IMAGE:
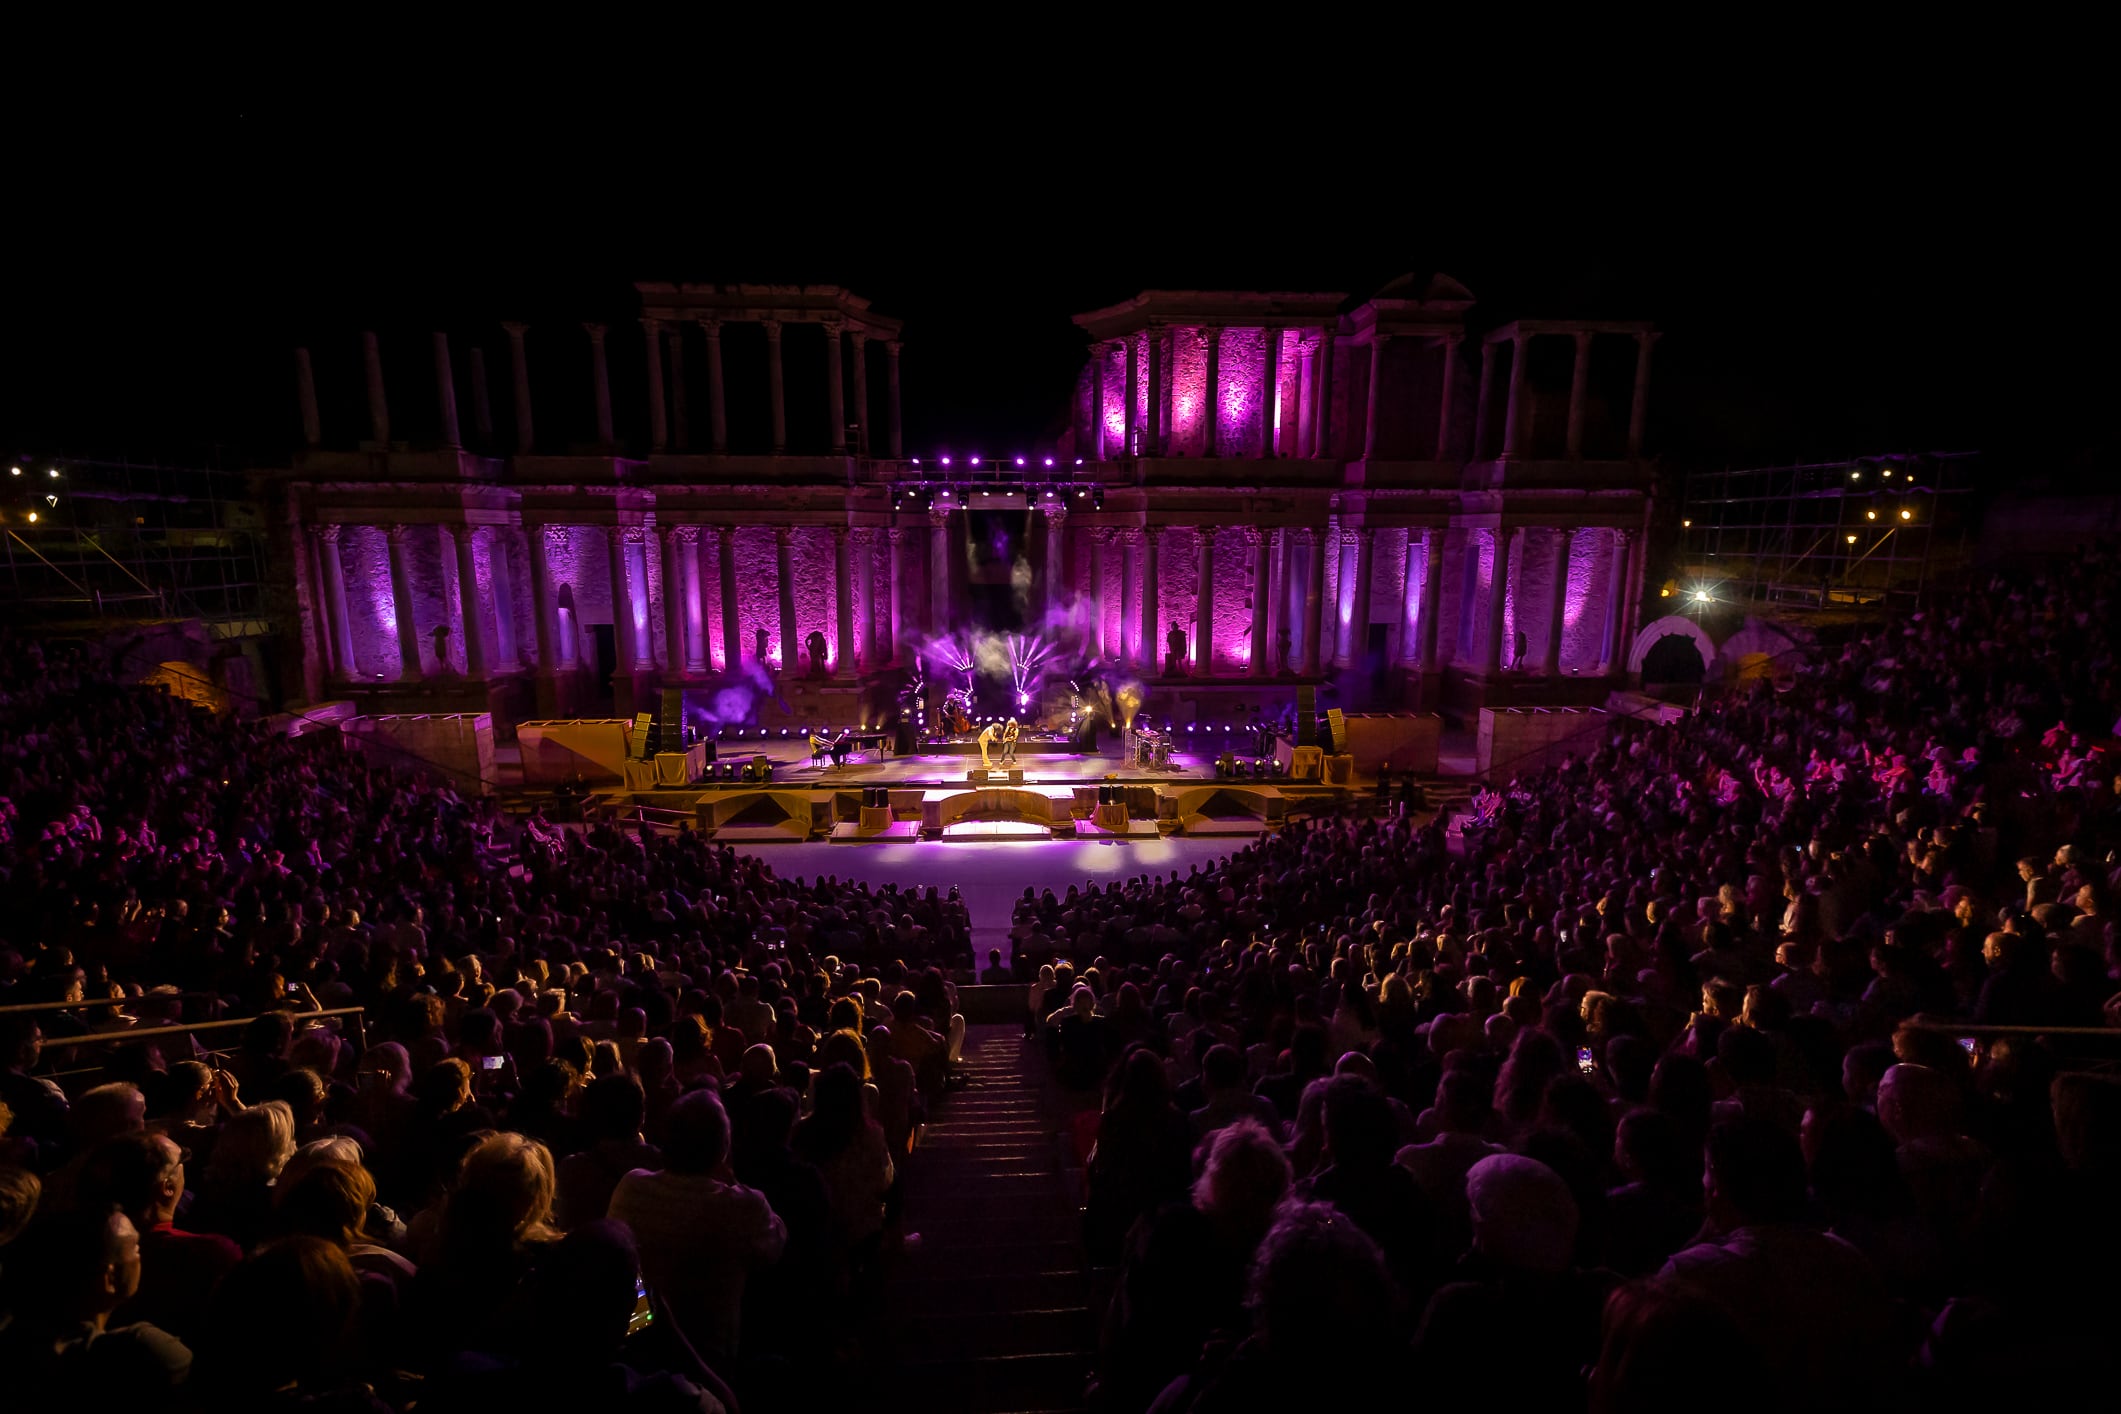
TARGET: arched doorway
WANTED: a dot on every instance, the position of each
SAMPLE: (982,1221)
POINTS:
(1673,659)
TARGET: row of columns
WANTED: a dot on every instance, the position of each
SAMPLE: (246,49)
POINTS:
(683,599)
(1155,424)
(1517,403)
(664,401)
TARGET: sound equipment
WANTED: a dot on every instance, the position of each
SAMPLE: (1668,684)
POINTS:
(637,745)
(1337,726)
(1306,715)
(670,721)
(905,740)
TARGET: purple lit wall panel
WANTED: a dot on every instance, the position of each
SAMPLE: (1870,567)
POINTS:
(1331,545)
(364,554)
(446,601)
(1388,584)
(1233,600)
(1188,375)
(811,559)
(1583,619)
(711,595)
(1177,586)
(757,592)
(1519,546)
(1238,397)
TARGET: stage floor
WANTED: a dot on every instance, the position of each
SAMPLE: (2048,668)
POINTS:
(792,766)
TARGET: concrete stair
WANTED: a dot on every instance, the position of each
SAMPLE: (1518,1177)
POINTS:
(993,1312)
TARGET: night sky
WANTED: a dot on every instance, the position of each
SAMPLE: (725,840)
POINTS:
(1933,290)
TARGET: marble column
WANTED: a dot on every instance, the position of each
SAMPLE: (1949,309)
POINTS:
(1211,400)
(508,657)
(600,384)
(895,555)
(1322,420)
(481,400)
(1431,596)
(1579,390)
(1355,633)
(1638,409)
(775,376)
(717,394)
(891,350)
(519,366)
(1410,602)
(1261,596)
(1094,591)
(1095,440)
(1631,597)
(400,537)
(1517,406)
(1151,605)
(1129,601)
(835,402)
(842,601)
(692,545)
(623,651)
(1375,395)
(1131,419)
(1443,410)
(472,623)
(540,541)
(446,392)
(1314,542)
(1204,604)
(378,400)
(306,398)
(858,348)
(1278,632)
(680,413)
(784,572)
(658,424)
(866,580)
(340,627)
(1558,604)
(1306,397)
(938,571)
(1056,558)
(1481,400)
(1498,599)
(1269,381)
(675,617)
(1153,441)
(732,627)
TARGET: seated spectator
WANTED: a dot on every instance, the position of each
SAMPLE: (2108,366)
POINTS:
(613,1110)
(142,1175)
(64,1351)
(1360,1179)
(850,1151)
(285,1332)
(1143,1157)
(1788,1287)
(1227,1095)
(496,1227)
(235,1196)
(701,1234)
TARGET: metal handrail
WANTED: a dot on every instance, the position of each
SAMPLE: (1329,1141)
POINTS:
(144,1033)
(1970,1028)
(21,1008)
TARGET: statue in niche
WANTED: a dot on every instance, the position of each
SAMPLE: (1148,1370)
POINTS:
(1175,651)
(440,635)
(758,645)
(815,646)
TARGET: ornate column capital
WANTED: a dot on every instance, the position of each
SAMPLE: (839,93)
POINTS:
(1452,338)
(1583,341)
(1306,535)
(726,533)
(712,323)
(457,530)
(839,534)
(651,324)
(891,346)
(555,536)
(834,327)
(327,532)
(783,536)
(595,332)
(398,533)
(939,516)
(515,329)
(685,534)
(859,335)
(1253,536)
(1648,337)
(772,328)
(634,534)
(1057,512)
(896,535)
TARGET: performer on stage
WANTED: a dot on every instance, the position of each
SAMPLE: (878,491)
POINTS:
(987,736)
(1009,735)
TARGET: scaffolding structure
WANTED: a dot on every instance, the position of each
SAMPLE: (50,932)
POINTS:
(1871,531)
(88,542)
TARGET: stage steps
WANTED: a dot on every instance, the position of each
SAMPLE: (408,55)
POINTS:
(993,1312)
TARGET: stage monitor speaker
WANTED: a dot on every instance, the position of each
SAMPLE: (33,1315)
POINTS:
(905,740)
(1307,716)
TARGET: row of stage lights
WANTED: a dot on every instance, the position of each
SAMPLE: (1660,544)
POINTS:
(916,497)
(769,734)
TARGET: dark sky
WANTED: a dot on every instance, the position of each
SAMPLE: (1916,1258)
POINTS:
(1936,284)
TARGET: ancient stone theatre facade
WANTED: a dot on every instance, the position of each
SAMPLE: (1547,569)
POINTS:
(1389,498)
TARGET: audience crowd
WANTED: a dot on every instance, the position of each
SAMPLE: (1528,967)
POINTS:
(1740,1062)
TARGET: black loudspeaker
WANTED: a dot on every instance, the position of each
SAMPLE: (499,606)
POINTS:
(670,721)
(1307,716)
(905,741)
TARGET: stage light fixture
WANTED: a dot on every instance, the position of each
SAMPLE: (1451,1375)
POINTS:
(1049,461)
(32,517)
(14,471)
(1855,476)
(946,461)
(1078,461)
(1870,515)
(1701,596)
(1852,540)
(55,473)
(1887,474)
(51,500)
(975,461)
(1907,515)
(1686,525)
(916,461)
(1019,461)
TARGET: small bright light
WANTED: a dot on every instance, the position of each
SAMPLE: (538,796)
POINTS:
(1049,461)
(1886,474)
(946,461)
(1686,525)
(916,461)
(1870,515)
(1019,461)
(32,517)
(1907,515)
(55,473)
(14,471)
(1078,461)
(51,500)
(1852,540)
(1701,596)
(1855,476)
(1664,594)
(975,461)
(1082,495)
